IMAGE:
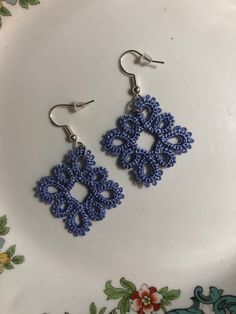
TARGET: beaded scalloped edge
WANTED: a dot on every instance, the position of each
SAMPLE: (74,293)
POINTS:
(79,166)
(147,166)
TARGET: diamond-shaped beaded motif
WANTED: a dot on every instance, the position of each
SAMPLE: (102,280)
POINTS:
(103,194)
(147,166)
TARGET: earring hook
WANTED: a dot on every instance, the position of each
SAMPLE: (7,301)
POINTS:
(76,106)
(143,57)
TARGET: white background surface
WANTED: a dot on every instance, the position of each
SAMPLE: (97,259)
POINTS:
(181,233)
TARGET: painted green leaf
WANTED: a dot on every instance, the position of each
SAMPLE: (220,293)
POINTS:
(115,293)
(124,305)
(18,259)
(173,294)
(114,312)
(163,290)
(4,230)
(0,22)
(24,4)
(8,266)
(5,12)
(11,250)
(93,308)
(3,221)
(103,310)
(34,2)
(165,302)
(127,285)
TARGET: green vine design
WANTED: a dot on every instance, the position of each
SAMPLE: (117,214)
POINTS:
(4,11)
(148,300)
(8,258)
(128,296)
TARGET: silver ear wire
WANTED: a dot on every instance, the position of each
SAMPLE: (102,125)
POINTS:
(144,59)
(76,106)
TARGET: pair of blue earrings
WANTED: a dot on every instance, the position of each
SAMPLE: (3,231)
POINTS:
(145,115)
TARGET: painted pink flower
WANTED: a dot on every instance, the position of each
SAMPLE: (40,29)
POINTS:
(146,300)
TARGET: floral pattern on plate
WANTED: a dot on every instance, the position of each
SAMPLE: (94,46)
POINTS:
(149,299)
(8,257)
(4,11)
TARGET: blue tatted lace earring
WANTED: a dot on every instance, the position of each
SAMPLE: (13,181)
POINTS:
(146,116)
(78,166)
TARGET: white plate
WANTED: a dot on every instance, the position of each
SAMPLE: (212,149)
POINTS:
(179,234)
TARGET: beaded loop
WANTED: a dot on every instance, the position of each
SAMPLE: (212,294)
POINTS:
(80,161)
(95,210)
(77,221)
(129,124)
(148,105)
(46,195)
(165,157)
(113,192)
(79,167)
(163,123)
(183,138)
(147,171)
(64,175)
(123,138)
(61,207)
(170,141)
(129,158)
(97,175)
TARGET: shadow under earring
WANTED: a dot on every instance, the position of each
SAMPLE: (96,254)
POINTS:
(146,116)
(78,167)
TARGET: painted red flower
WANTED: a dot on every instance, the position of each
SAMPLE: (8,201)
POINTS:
(146,300)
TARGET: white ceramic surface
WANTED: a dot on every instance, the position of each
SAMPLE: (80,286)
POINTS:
(182,232)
